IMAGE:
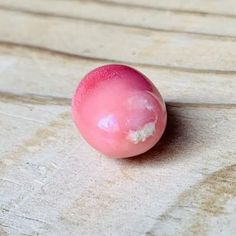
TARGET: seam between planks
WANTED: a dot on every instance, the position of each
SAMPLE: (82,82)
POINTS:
(38,99)
(107,60)
(164,9)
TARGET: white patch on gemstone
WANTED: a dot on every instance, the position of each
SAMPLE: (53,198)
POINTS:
(147,105)
(142,134)
(139,102)
(108,123)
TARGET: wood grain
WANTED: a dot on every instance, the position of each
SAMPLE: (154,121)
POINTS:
(170,52)
(211,26)
(84,183)
(218,7)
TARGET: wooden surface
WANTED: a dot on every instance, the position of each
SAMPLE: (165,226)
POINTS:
(53,183)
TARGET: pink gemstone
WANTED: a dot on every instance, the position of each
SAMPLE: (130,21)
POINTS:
(119,111)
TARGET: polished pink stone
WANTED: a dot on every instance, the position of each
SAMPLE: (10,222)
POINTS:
(119,111)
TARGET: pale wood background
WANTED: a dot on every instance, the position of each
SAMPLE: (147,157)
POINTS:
(53,183)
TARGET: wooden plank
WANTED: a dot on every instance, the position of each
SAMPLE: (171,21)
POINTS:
(139,17)
(141,47)
(54,77)
(53,183)
(216,7)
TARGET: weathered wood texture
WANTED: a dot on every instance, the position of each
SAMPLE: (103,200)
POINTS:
(53,183)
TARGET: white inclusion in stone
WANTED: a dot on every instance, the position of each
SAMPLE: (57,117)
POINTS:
(142,134)
(148,105)
(140,102)
(108,123)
